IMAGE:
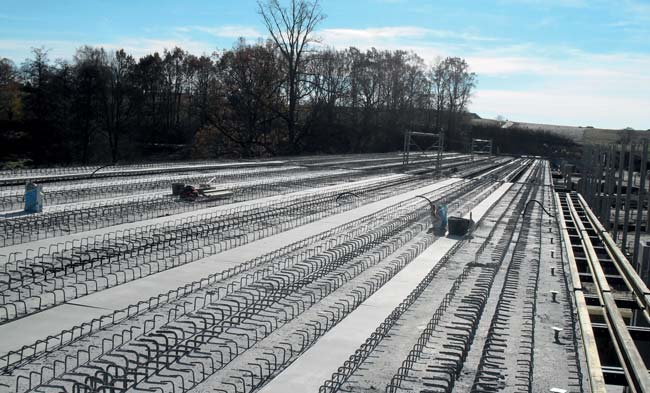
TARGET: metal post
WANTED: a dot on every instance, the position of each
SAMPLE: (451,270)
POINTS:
(441,143)
(472,149)
(644,273)
(626,218)
(585,174)
(607,210)
(640,202)
(619,191)
(644,268)
(647,225)
(599,182)
(568,177)
(591,175)
(407,148)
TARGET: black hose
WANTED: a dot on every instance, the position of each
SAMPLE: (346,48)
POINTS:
(431,204)
(101,167)
(540,205)
(345,193)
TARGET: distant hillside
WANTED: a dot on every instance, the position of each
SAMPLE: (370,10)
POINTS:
(580,135)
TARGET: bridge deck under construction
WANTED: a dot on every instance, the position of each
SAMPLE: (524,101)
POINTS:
(316,274)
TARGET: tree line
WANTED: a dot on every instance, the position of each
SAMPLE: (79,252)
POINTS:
(518,140)
(284,95)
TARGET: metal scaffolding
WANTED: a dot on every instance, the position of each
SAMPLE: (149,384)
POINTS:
(481,146)
(433,146)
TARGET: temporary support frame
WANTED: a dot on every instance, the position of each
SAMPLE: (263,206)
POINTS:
(618,194)
(411,139)
(481,146)
(610,297)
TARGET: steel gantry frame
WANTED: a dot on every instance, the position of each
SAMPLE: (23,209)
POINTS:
(435,147)
(481,146)
(612,300)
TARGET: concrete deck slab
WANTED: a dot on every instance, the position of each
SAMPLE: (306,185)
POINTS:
(27,330)
(154,221)
(144,171)
(314,175)
(318,364)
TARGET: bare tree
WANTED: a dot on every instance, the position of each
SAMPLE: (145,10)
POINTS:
(292,29)
(10,101)
(91,76)
(437,79)
(459,83)
(116,103)
(282,95)
(7,71)
(36,74)
(250,77)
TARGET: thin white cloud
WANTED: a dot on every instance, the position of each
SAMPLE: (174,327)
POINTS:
(637,9)
(579,64)
(17,18)
(19,50)
(139,47)
(577,107)
(374,33)
(226,31)
(609,91)
(550,3)
(334,36)
(577,87)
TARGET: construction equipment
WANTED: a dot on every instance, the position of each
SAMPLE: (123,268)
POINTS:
(190,193)
(459,226)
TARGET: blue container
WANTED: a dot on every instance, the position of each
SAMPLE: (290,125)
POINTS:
(441,212)
(33,198)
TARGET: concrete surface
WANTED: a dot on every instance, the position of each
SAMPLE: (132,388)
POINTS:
(160,220)
(318,363)
(52,321)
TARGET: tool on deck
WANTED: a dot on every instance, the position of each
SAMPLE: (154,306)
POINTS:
(190,193)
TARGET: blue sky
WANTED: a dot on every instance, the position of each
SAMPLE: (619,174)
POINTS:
(572,62)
